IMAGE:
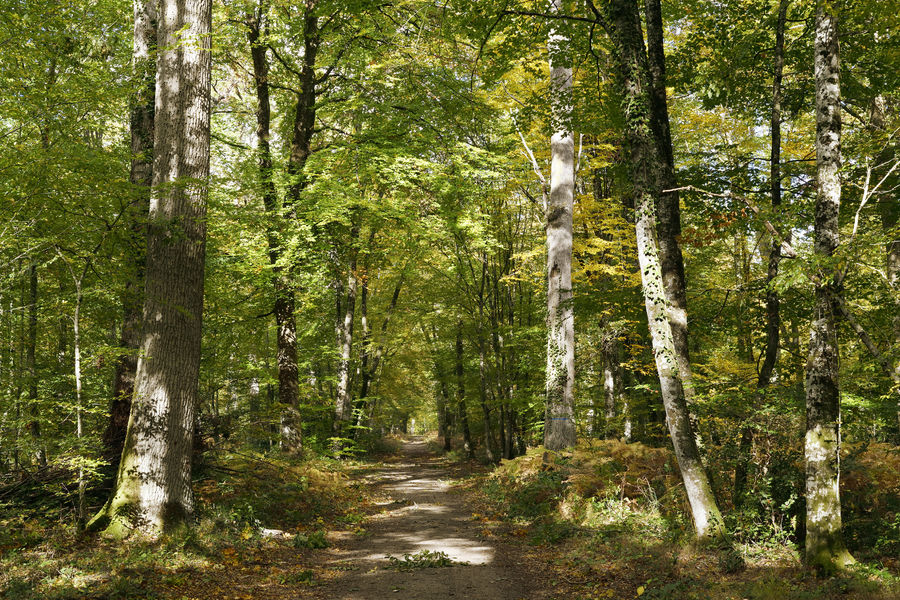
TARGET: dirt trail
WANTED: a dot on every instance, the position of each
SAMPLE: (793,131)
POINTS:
(428,516)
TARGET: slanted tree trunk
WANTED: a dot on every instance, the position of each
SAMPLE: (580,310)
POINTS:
(668,226)
(153,488)
(648,177)
(559,423)
(286,339)
(824,540)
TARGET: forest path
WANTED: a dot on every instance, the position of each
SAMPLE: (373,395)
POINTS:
(422,513)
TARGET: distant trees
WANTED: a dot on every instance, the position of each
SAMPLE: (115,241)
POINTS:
(383,245)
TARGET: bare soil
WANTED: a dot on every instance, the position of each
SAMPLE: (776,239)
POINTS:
(421,512)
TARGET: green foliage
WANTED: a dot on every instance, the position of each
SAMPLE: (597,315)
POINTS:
(312,540)
(424,559)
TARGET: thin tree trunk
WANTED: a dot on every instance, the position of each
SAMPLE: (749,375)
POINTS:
(773,312)
(647,171)
(443,401)
(372,363)
(34,426)
(343,401)
(153,489)
(462,411)
(143,65)
(889,208)
(286,339)
(485,411)
(559,422)
(79,409)
(824,540)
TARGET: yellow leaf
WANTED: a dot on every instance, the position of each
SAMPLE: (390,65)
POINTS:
(640,590)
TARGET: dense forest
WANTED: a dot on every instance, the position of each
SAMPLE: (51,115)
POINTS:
(557,238)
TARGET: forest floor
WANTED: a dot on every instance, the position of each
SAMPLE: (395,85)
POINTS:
(411,524)
(414,536)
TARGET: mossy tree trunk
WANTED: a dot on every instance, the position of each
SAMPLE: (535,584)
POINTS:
(622,21)
(559,425)
(824,540)
(153,488)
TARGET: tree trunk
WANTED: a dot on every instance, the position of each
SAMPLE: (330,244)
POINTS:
(485,411)
(559,423)
(462,411)
(286,340)
(34,426)
(668,226)
(773,312)
(153,489)
(143,65)
(343,401)
(824,540)
(371,362)
(889,208)
(647,171)
(443,401)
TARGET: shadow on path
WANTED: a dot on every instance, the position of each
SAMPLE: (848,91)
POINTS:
(422,514)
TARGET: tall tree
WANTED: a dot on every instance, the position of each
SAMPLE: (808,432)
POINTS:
(559,425)
(668,225)
(773,310)
(285,300)
(143,66)
(622,22)
(824,540)
(462,409)
(153,488)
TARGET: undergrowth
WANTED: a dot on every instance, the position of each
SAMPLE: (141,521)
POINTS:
(618,513)
(246,505)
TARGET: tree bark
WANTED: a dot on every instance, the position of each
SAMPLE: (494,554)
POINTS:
(371,362)
(559,423)
(773,311)
(824,540)
(668,226)
(285,322)
(343,401)
(648,178)
(153,489)
(462,410)
(34,426)
(143,65)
